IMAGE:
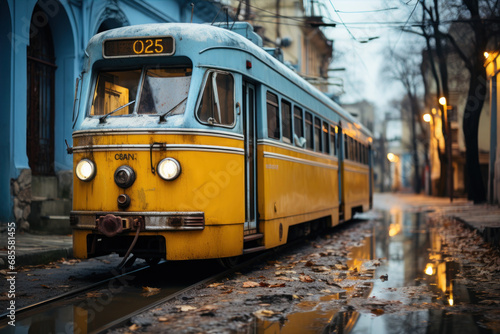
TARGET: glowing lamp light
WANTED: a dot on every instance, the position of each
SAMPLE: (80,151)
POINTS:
(450,301)
(442,100)
(429,269)
(427,118)
(486,55)
(392,157)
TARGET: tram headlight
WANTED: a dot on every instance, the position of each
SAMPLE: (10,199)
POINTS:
(124,176)
(169,169)
(85,170)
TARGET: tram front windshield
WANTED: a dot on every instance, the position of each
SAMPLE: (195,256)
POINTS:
(153,91)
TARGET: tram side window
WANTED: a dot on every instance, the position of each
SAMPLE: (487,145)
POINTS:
(113,90)
(309,132)
(217,102)
(326,146)
(298,127)
(355,149)
(317,135)
(273,116)
(286,114)
(346,147)
(333,143)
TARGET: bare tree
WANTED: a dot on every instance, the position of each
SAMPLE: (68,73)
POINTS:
(478,22)
(406,70)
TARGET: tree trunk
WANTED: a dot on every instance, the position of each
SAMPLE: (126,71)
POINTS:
(473,107)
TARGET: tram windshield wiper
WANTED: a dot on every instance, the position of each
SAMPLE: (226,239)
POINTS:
(102,119)
(164,115)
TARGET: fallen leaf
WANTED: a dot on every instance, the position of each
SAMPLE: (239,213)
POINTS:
(377,311)
(45,286)
(250,284)
(320,269)
(341,266)
(148,291)
(162,319)
(226,292)
(264,313)
(186,308)
(282,285)
(384,277)
(283,278)
(214,285)
(134,327)
(94,294)
(306,279)
(309,263)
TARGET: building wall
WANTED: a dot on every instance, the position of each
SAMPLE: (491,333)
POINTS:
(72,24)
(309,52)
(493,74)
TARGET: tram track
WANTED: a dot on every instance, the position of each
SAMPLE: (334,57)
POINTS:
(98,307)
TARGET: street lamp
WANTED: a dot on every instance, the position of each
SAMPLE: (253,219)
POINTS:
(449,167)
(392,157)
(427,118)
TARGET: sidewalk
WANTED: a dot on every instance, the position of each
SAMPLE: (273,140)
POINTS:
(34,249)
(483,218)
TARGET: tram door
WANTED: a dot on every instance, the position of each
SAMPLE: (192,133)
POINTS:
(249,132)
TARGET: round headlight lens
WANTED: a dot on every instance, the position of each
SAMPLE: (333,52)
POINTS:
(85,170)
(124,176)
(169,169)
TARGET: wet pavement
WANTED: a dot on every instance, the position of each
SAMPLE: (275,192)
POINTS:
(414,265)
(412,270)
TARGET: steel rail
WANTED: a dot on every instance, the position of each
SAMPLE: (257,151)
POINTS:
(70,294)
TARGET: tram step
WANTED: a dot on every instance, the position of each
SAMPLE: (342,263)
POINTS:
(253,250)
(253,237)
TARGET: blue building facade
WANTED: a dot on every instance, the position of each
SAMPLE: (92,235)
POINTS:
(42,45)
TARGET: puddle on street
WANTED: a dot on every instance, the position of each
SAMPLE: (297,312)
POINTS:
(98,308)
(418,274)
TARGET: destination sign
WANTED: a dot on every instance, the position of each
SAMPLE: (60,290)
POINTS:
(139,47)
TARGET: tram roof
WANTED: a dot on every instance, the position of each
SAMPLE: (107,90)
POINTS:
(205,36)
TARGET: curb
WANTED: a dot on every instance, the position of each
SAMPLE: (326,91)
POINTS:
(36,258)
(490,234)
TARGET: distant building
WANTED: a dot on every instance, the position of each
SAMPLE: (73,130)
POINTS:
(364,111)
(285,24)
(42,45)
(458,78)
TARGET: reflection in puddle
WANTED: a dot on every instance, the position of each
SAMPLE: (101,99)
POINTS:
(422,284)
(312,316)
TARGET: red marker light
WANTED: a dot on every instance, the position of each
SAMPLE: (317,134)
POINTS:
(249,64)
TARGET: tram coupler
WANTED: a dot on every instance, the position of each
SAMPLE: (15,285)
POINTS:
(109,225)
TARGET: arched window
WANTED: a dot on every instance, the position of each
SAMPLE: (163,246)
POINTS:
(40,100)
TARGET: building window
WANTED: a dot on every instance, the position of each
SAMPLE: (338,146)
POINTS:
(286,114)
(273,116)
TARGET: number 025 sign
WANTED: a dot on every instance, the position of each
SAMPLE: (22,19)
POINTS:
(147,46)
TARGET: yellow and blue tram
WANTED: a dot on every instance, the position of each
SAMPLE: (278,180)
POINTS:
(193,142)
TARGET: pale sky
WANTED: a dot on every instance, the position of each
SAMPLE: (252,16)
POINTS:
(379,20)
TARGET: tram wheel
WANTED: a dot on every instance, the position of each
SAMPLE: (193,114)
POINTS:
(152,261)
(228,262)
